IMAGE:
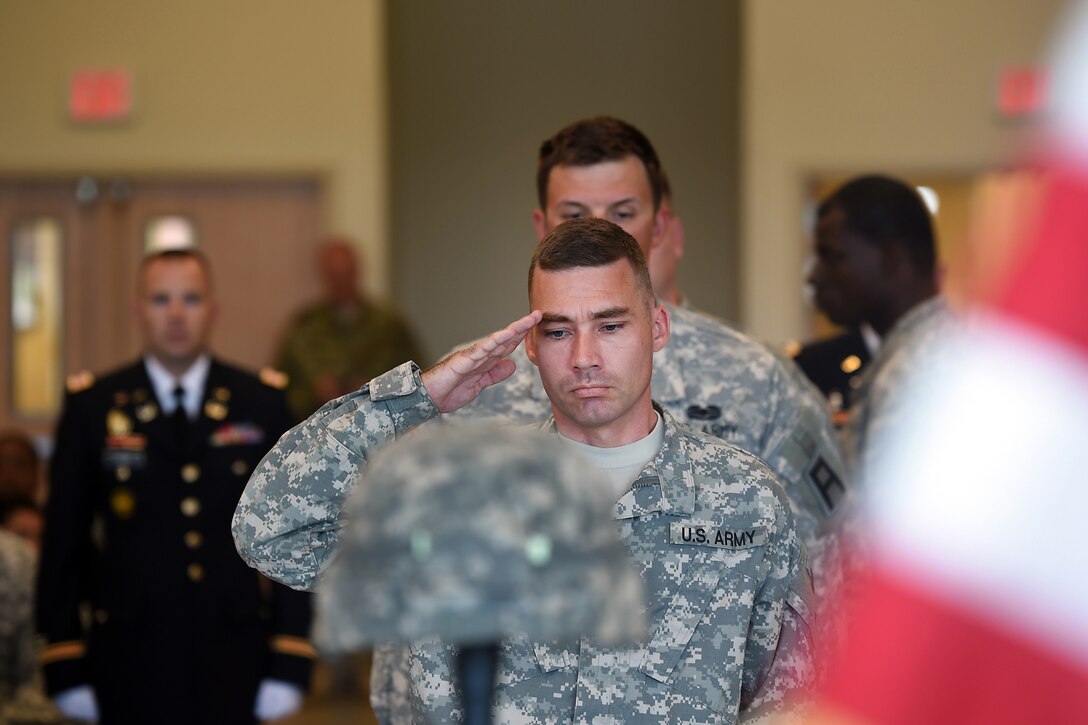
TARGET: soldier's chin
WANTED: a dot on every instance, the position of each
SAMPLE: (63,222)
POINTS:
(178,353)
(836,316)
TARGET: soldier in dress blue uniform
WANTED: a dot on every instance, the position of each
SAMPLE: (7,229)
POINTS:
(148,613)
(834,365)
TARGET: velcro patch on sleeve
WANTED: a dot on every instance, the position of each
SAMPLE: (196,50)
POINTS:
(828,484)
(693,533)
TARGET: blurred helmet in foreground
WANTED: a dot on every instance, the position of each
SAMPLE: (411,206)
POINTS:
(475,533)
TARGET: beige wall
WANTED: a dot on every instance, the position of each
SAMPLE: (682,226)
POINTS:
(233,88)
(246,86)
(478,84)
(862,85)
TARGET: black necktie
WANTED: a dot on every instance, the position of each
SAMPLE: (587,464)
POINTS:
(181,419)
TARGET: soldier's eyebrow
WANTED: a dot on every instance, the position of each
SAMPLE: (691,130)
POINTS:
(610,313)
(605,314)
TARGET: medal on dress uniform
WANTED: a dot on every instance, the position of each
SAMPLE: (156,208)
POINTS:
(221,394)
(147,412)
(190,506)
(139,395)
(122,503)
(120,398)
(190,473)
(215,410)
(117,423)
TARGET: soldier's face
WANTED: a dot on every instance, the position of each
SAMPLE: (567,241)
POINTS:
(18,469)
(847,276)
(618,191)
(594,348)
(175,311)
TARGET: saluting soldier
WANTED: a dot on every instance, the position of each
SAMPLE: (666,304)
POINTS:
(148,613)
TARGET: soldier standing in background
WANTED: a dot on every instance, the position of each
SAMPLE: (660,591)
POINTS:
(334,346)
(876,264)
(20,467)
(149,463)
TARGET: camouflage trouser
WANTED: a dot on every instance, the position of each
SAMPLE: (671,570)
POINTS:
(389,684)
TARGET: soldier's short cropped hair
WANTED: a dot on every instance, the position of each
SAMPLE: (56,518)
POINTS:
(590,242)
(883,210)
(593,141)
(176,255)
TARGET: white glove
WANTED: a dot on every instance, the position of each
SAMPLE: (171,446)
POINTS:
(77,703)
(276,699)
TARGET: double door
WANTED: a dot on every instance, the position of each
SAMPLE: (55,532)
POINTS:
(72,250)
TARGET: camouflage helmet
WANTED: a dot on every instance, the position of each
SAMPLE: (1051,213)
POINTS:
(473,533)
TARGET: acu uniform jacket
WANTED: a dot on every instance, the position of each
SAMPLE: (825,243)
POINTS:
(138,528)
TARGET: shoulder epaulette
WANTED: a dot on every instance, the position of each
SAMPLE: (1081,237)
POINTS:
(273,378)
(78,382)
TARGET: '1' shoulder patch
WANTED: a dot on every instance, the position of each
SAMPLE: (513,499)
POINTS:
(827,483)
(698,534)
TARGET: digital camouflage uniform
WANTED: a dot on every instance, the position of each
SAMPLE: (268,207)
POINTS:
(354,348)
(879,399)
(17,659)
(474,533)
(723,383)
(22,700)
(708,528)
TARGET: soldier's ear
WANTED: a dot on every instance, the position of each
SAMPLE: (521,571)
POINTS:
(530,347)
(662,217)
(661,326)
(540,224)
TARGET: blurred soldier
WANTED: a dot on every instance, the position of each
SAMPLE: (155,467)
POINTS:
(706,523)
(834,365)
(538,560)
(20,467)
(876,264)
(334,346)
(664,257)
(708,375)
(24,518)
(16,623)
(20,698)
(149,463)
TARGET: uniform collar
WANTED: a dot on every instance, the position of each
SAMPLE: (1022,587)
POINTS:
(192,380)
(666,484)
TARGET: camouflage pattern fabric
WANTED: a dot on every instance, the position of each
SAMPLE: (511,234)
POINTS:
(719,381)
(907,351)
(708,528)
(18,660)
(22,698)
(320,341)
(474,533)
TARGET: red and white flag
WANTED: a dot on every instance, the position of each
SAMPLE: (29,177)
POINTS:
(976,608)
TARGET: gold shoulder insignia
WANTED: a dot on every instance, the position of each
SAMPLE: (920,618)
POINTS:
(289,645)
(78,382)
(850,364)
(273,378)
(60,651)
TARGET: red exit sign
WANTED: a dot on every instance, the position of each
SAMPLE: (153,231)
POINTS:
(1022,91)
(100,95)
